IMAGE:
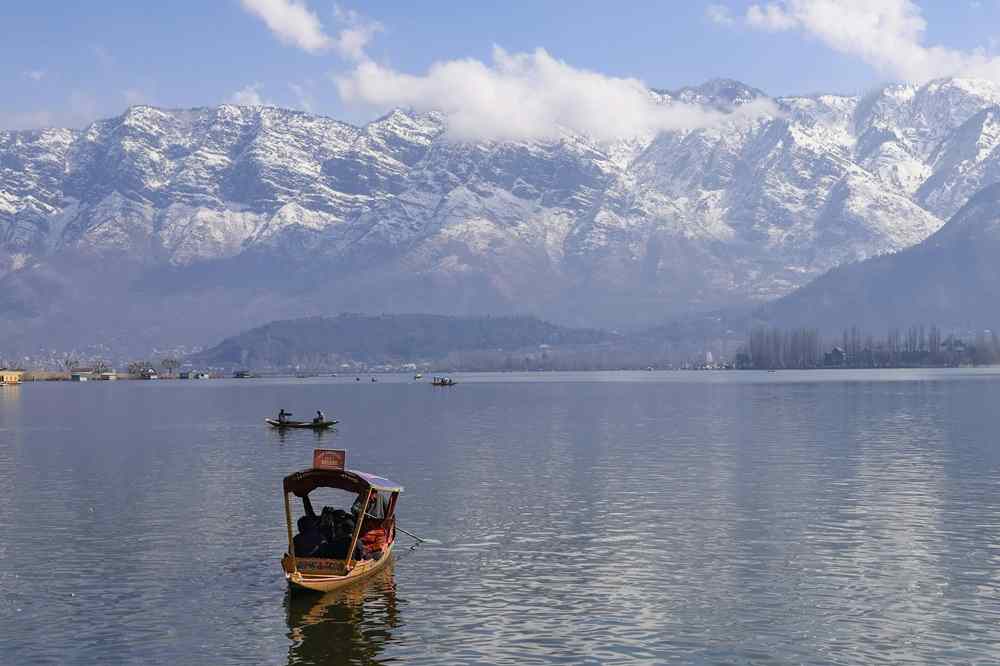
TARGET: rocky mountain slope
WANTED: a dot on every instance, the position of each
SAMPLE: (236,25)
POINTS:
(951,280)
(183,225)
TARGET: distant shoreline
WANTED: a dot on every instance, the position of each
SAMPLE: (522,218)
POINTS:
(32,376)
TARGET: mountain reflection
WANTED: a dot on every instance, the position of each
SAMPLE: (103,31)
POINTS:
(350,626)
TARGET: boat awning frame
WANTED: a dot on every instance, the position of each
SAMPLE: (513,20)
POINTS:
(305,481)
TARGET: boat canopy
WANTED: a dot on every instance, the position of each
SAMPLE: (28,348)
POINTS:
(304,482)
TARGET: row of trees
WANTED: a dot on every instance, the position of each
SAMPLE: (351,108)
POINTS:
(169,365)
(917,346)
(770,348)
(140,368)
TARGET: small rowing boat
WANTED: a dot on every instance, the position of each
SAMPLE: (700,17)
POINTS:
(325,555)
(313,425)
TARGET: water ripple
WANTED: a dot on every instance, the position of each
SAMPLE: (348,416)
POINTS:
(580,522)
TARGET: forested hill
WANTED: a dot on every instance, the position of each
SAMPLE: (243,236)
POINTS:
(327,341)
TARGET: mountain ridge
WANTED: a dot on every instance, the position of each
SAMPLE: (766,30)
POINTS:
(245,214)
(949,280)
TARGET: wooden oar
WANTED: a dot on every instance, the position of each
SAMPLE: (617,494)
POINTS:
(421,540)
(416,537)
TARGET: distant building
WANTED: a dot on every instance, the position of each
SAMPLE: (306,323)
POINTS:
(108,376)
(835,358)
(185,374)
(11,377)
(80,376)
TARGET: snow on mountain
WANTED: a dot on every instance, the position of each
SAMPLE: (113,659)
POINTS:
(950,279)
(393,215)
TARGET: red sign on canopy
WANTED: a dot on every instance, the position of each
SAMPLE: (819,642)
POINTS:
(329,458)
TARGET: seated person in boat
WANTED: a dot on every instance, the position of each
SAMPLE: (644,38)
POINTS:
(338,531)
(327,535)
(320,418)
(283,416)
(307,542)
(374,531)
(378,505)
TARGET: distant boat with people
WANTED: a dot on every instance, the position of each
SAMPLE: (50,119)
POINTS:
(314,425)
(320,422)
(443,381)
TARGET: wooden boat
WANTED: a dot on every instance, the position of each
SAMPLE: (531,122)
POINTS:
(325,574)
(313,425)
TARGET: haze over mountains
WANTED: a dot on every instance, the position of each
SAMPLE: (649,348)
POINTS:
(184,226)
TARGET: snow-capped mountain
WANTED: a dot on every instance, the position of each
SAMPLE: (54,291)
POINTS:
(238,214)
(951,280)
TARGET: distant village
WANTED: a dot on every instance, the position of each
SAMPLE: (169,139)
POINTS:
(765,348)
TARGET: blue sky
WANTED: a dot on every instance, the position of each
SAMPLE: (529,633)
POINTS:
(69,63)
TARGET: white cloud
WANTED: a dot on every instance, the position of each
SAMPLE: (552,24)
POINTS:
(79,109)
(26,120)
(352,40)
(769,17)
(103,56)
(303,95)
(35,75)
(135,96)
(720,15)
(291,22)
(529,96)
(887,34)
(248,96)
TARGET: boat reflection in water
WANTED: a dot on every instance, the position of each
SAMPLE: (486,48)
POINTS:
(284,434)
(351,625)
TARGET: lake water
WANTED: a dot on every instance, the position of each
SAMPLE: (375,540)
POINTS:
(832,517)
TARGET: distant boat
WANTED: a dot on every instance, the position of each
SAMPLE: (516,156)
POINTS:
(311,425)
(443,381)
(418,376)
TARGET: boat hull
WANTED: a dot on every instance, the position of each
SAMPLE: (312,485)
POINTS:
(312,577)
(305,425)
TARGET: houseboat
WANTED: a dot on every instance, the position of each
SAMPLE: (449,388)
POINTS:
(11,377)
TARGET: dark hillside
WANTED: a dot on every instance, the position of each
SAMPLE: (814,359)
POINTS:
(324,341)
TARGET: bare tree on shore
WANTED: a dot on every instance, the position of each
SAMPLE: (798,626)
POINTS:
(170,364)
